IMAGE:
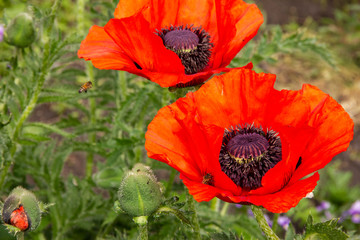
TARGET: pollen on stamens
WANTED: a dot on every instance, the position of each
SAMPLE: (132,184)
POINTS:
(191,44)
(247,153)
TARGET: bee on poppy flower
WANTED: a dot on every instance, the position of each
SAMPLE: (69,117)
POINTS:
(208,179)
(86,86)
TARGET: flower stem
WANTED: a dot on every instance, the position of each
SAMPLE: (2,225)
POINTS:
(259,216)
(92,136)
(142,227)
(123,84)
(194,218)
(20,236)
(170,182)
(215,204)
(224,209)
(275,223)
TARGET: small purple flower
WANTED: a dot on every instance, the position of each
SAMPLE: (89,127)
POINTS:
(284,222)
(1,32)
(354,211)
(238,205)
(324,205)
(250,213)
(268,220)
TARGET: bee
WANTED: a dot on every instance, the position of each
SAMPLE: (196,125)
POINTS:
(208,179)
(86,86)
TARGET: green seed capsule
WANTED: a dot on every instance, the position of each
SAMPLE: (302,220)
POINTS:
(20,32)
(139,193)
(21,209)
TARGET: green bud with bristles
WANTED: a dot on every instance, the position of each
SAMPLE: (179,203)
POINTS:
(21,209)
(139,193)
(20,32)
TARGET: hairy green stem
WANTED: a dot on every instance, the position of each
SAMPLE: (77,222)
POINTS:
(142,223)
(123,84)
(215,204)
(20,236)
(224,209)
(194,218)
(275,223)
(259,216)
(92,135)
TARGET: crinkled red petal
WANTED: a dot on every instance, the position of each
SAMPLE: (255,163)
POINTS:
(126,9)
(237,23)
(230,23)
(238,97)
(281,201)
(142,45)
(103,52)
(334,130)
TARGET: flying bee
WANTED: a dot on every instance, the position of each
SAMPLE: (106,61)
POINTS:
(86,86)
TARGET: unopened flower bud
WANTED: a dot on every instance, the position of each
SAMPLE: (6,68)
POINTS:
(21,209)
(139,193)
(20,32)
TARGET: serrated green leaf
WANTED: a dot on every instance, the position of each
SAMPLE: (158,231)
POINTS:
(324,231)
(51,128)
(224,236)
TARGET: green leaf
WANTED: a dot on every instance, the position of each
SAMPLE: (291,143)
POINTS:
(5,146)
(108,177)
(51,128)
(324,231)
(290,233)
(35,137)
(179,214)
(224,236)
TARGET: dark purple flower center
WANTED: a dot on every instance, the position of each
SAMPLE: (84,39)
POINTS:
(247,153)
(181,40)
(247,146)
(192,45)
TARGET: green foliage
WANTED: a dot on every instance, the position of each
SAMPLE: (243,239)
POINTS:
(273,42)
(324,231)
(72,149)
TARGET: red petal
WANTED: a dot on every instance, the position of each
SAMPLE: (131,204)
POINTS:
(203,192)
(237,23)
(241,100)
(173,79)
(144,47)
(293,141)
(182,12)
(128,8)
(282,201)
(334,130)
(181,141)
(103,52)
(288,114)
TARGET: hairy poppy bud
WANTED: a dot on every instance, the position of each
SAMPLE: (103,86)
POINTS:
(139,193)
(20,32)
(21,209)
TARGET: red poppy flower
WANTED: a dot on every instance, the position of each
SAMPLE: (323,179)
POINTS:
(173,43)
(239,139)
